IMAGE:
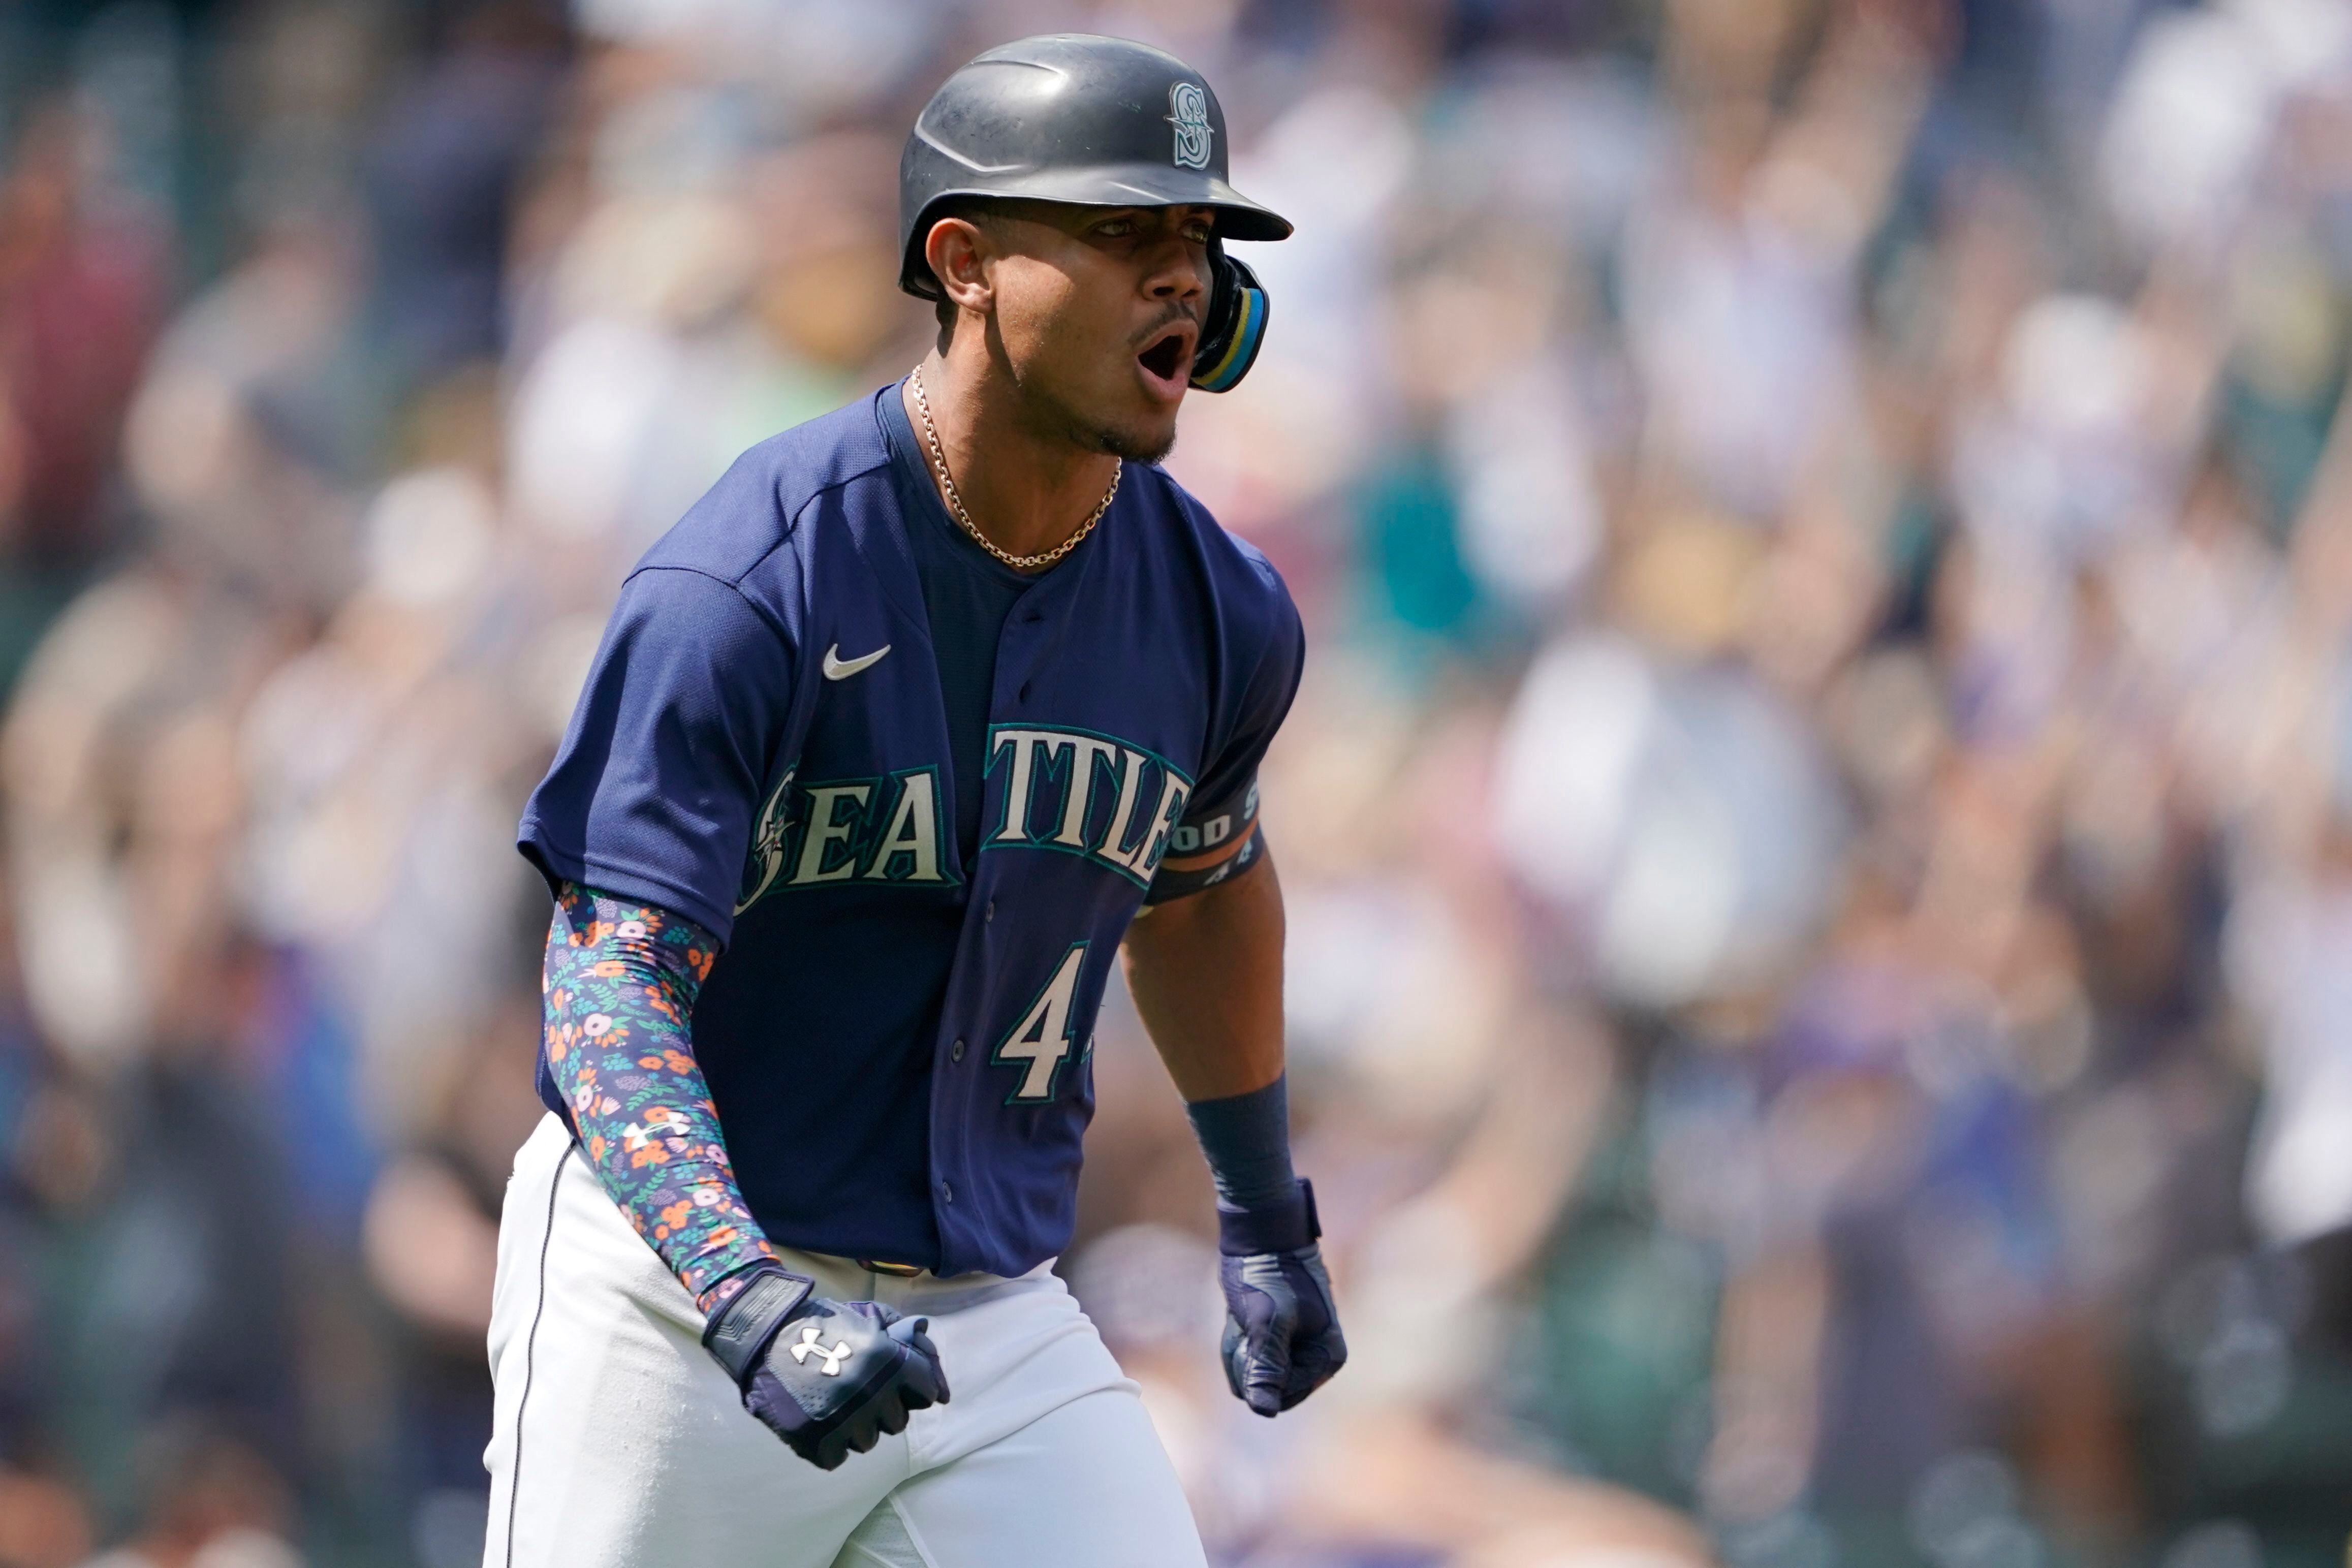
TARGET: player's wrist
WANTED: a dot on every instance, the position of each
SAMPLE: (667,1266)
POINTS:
(1281,1225)
(1245,1139)
(740,1329)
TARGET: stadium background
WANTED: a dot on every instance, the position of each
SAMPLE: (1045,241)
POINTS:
(1818,831)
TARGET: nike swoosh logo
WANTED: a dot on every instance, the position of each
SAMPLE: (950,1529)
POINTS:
(839,669)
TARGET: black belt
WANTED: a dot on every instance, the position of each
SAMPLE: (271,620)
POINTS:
(899,1271)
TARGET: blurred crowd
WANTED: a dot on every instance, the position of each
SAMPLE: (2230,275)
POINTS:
(1818,834)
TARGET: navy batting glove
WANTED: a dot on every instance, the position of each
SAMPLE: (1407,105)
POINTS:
(830,1378)
(1282,1331)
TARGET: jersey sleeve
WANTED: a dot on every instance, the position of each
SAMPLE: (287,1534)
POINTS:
(653,793)
(1223,809)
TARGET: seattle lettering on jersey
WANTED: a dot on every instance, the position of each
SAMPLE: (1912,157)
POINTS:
(848,832)
(1069,791)
(1078,792)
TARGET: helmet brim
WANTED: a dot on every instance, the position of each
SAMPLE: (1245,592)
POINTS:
(1113,186)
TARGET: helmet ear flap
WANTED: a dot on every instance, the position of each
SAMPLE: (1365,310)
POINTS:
(1234,327)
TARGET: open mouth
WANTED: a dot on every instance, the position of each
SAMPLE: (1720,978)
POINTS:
(1165,356)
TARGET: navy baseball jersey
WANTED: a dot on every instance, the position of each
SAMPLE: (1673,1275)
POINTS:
(897,1034)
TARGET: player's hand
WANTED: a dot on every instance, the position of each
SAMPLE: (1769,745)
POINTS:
(830,1378)
(1282,1331)
(841,1377)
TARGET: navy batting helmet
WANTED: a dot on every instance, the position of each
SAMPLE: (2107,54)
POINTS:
(1071,117)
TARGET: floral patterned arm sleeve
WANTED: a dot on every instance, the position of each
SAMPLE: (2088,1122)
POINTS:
(620,983)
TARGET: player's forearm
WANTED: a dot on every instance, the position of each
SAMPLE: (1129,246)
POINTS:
(1206,975)
(620,983)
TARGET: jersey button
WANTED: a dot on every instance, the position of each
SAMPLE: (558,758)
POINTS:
(1024,691)
(955,1052)
(947,1190)
(989,913)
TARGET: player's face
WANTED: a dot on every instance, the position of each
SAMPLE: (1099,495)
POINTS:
(1097,311)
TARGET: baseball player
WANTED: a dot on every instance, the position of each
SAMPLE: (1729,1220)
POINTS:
(930,708)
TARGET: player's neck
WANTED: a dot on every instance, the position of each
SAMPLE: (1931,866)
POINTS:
(1026,490)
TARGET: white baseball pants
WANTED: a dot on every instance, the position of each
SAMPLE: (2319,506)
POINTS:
(619,1443)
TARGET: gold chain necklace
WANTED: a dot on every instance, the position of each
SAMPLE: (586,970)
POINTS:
(955,501)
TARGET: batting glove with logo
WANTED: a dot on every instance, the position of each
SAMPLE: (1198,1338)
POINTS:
(1282,1331)
(830,1378)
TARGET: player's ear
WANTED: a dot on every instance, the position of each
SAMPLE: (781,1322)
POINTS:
(957,251)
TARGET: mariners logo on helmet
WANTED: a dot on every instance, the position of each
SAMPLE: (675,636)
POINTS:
(1189,112)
